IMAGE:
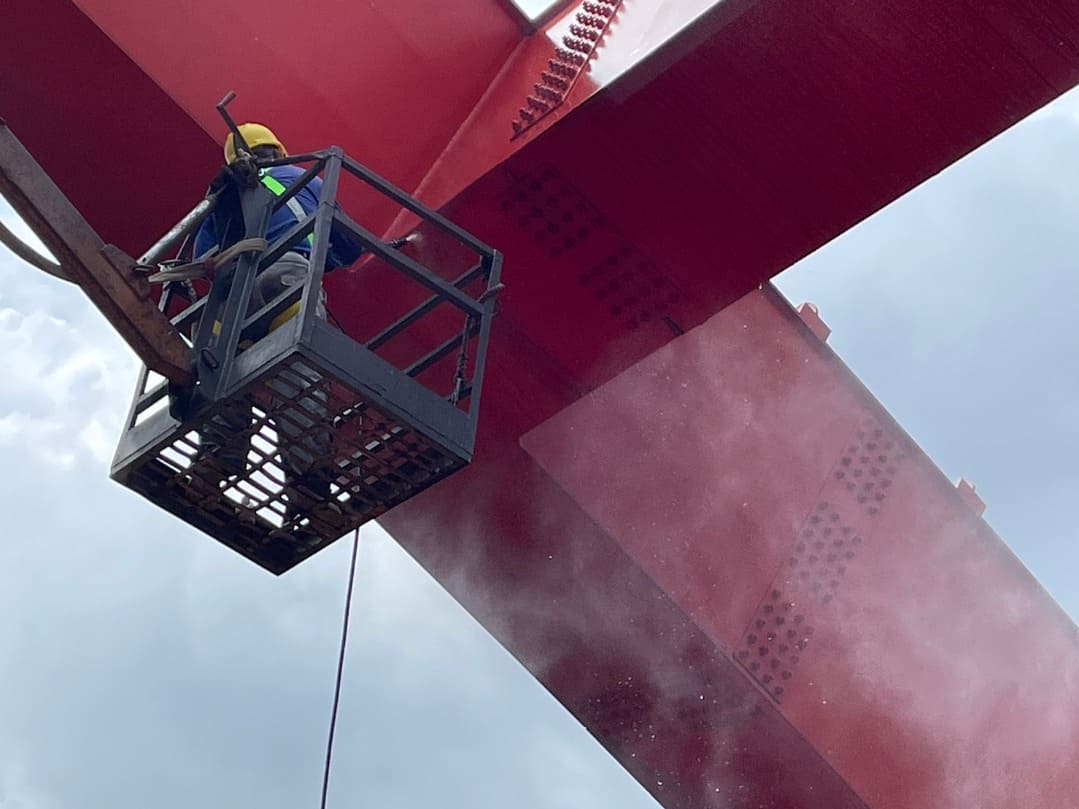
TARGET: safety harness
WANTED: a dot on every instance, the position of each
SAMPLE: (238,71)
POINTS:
(202,268)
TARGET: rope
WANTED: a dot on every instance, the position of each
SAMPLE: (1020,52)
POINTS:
(340,667)
(200,269)
(29,255)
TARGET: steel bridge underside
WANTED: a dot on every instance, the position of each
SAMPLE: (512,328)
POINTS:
(686,518)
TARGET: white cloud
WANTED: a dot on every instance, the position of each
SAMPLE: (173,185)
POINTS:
(64,387)
(15,791)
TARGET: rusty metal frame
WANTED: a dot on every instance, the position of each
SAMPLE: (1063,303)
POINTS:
(104,272)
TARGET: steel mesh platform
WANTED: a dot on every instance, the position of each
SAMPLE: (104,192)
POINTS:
(288,464)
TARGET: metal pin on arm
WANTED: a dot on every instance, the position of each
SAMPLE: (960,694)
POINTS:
(237,139)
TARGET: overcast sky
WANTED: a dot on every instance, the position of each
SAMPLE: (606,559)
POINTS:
(533,8)
(144,665)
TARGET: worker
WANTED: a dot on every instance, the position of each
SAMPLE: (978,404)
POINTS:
(226,227)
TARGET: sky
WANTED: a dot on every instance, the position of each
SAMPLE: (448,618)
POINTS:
(533,8)
(143,664)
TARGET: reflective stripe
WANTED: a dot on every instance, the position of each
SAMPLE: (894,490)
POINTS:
(272,183)
(285,316)
(278,190)
(244,344)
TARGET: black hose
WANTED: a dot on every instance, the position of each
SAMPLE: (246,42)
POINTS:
(29,255)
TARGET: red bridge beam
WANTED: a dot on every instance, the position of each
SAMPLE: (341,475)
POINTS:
(764,130)
(625,545)
(752,587)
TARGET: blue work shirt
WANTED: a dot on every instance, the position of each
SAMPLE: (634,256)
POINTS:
(218,228)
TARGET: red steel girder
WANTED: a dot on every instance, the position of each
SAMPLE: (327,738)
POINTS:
(752,587)
(693,162)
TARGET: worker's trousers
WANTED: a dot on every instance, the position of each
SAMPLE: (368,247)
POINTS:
(299,415)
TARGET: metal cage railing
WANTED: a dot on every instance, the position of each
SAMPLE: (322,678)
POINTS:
(295,432)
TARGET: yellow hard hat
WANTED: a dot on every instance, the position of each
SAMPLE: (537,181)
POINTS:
(255,135)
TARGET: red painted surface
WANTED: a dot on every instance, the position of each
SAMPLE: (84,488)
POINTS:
(624,544)
(388,82)
(762,132)
(638,548)
(126,154)
(634,34)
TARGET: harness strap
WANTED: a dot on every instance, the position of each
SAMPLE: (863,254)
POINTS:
(200,269)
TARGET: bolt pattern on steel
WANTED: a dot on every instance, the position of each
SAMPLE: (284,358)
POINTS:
(827,543)
(584,32)
(561,68)
(547,93)
(602,9)
(624,283)
(581,32)
(554,81)
(569,60)
(579,45)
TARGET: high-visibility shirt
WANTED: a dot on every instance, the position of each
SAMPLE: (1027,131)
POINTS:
(227,225)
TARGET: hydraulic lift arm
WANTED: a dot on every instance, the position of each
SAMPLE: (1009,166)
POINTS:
(104,272)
